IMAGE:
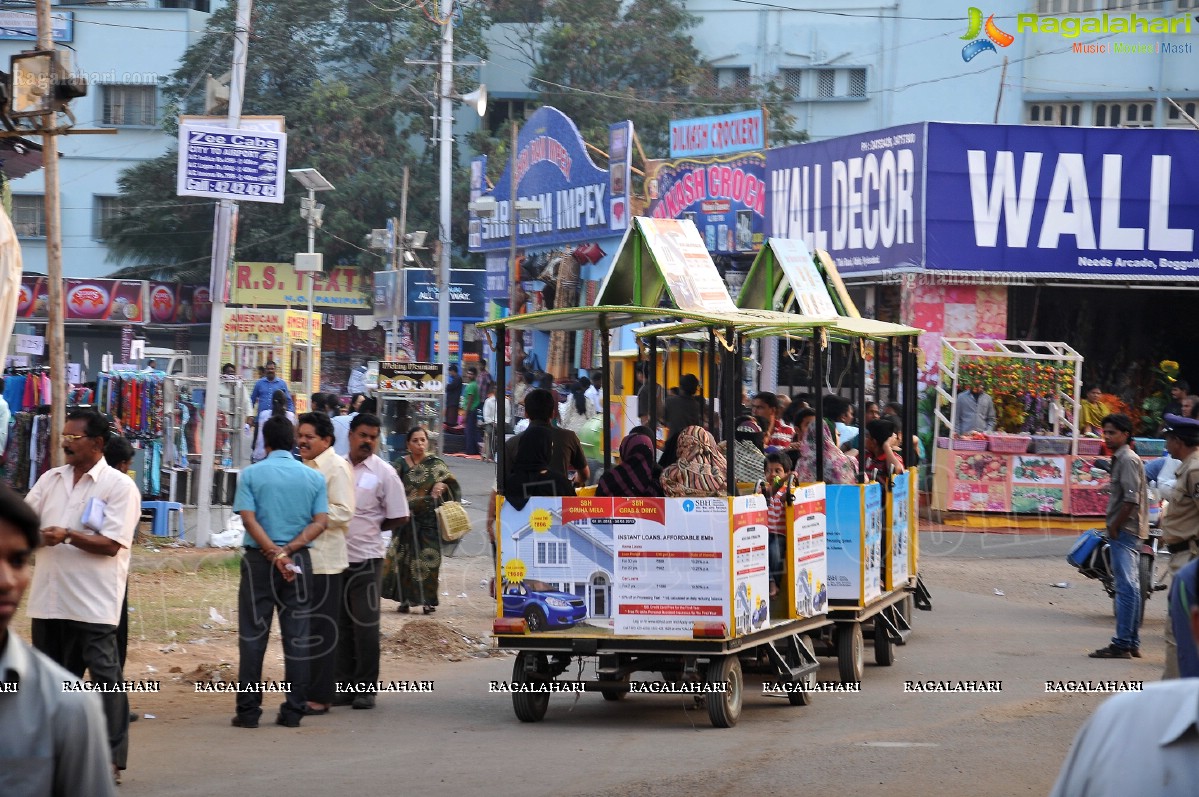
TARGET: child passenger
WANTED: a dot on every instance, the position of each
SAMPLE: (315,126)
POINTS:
(774,488)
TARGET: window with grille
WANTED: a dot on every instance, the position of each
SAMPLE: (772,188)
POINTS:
(1123,114)
(131,106)
(553,553)
(1188,5)
(29,215)
(826,83)
(792,80)
(1132,5)
(1175,119)
(731,77)
(105,210)
(857,83)
(1052,113)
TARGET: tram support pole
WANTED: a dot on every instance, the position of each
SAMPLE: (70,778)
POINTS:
(501,422)
(818,398)
(859,352)
(731,387)
(605,346)
(651,379)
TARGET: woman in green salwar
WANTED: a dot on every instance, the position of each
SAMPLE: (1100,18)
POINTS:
(416,546)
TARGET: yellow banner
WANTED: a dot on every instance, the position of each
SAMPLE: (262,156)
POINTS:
(345,288)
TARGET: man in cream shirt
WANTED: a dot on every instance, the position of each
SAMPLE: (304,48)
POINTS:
(89,513)
(314,437)
(380,506)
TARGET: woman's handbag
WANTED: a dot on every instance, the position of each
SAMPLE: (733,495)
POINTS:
(452,520)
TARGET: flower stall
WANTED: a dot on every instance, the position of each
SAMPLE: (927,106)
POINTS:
(1034,461)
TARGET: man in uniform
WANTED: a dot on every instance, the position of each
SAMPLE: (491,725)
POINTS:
(1180,524)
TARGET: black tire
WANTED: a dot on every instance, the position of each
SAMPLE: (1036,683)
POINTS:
(884,648)
(1145,571)
(529,706)
(614,694)
(850,653)
(535,620)
(724,708)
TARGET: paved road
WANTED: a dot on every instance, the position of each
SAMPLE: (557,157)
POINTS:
(462,740)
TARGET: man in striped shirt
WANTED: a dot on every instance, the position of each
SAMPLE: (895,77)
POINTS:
(766,410)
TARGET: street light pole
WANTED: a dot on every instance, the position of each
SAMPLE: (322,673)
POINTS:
(310,374)
(446,121)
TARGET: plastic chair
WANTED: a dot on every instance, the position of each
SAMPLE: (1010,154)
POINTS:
(161,521)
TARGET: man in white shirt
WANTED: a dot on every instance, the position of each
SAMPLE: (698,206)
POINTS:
(1138,742)
(380,505)
(89,512)
(52,741)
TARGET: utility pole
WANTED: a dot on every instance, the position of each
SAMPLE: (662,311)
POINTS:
(516,338)
(222,254)
(398,250)
(446,125)
(53,221)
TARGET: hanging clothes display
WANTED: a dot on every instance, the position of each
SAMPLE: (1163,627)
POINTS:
(135,400)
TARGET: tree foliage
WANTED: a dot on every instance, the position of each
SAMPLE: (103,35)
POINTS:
(602,61)
(355,111)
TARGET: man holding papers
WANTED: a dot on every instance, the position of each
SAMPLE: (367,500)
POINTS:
(89,513)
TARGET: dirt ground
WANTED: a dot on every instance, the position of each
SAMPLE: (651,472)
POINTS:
(183,626)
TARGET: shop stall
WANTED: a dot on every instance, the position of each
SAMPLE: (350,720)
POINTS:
(251,338)
(1035,461)
(410,395)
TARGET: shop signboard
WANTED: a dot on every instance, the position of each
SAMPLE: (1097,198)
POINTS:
(1090,202)
(620,171)
(279,285)
(404,377)
(105,301)
(497,278)
(21,25)
(553,169)
(743,131)
(33,298)
(860,197)
(808,286)
(466,294)
(724,195)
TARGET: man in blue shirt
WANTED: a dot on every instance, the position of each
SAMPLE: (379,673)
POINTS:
(284,506)
(265,387)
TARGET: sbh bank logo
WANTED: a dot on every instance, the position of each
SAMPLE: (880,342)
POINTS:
(994,35)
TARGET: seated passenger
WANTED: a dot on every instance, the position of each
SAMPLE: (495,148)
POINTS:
(881,442)
(530,472)
(637,475)
(699,469)
(775,489)
(748,459)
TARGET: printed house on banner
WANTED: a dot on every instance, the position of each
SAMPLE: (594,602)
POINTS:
(574,558)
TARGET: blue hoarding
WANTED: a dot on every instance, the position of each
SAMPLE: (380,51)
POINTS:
(1074,201)
(554,170)
(467,289)
(725,196)
(860,198)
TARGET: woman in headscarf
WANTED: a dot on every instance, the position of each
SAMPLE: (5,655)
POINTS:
(839,467)
(749,458)
(530,473)
(636,476)
(699,470)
